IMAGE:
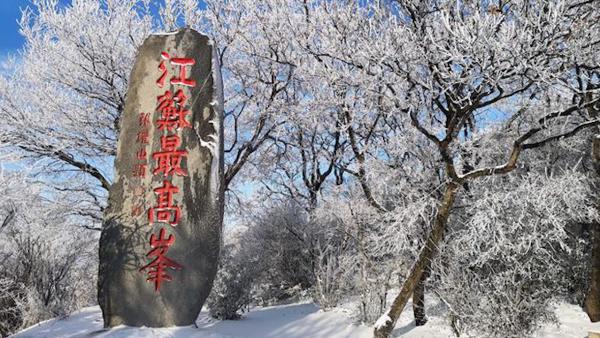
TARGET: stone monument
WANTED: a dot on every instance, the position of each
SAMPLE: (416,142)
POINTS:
(162,228)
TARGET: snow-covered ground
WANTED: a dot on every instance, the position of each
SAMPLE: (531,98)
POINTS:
(285,321)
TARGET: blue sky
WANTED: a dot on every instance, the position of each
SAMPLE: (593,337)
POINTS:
(10,13)
(10,39)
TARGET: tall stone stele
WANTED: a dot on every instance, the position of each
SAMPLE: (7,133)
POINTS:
(162,229)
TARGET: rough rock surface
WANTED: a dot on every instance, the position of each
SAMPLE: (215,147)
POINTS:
(124,293)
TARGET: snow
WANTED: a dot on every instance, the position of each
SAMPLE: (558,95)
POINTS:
(574,323)
(213,144)
(382,321)
(166,33)
(296,320)
(289,321)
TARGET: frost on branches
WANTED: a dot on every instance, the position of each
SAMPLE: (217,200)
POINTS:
(420,138)
(499,268)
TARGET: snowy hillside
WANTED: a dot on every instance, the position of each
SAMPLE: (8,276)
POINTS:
(286,321)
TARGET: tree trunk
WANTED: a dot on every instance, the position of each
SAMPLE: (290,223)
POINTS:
(418,269)
(419,302)
(592,298)
(418,299)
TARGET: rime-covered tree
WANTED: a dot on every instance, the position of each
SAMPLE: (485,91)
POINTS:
(391,119)
(63,95)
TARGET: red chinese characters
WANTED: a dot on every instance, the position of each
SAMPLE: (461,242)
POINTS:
(182,80)
(172,112)
(163,69)
(168,162)
(140,168)
(182,63)
(157,268)
(165,210)
(168,159)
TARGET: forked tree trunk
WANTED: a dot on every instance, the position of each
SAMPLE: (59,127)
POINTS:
(423,261)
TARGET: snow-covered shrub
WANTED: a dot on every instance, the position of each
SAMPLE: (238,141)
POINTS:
(353,266)
(331,267)
(499,268)
(231,290)
(334,260)
(11,314)
(268,262)
(47,268)
(576,263)
(44,279)
(283,238)
(372,299)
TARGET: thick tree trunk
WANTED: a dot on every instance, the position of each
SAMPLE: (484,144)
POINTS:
(419,302)
(418,269)
(418,299)
(592,298)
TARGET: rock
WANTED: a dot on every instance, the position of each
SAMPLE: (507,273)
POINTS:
(158,262)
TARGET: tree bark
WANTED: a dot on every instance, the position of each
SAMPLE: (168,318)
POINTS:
(419,302)
(427,253)
(592,298)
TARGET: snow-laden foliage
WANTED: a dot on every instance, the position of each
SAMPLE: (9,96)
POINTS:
(389,125)
(46,266)
(269,261)
(63,94)
(499,269)
(230,295)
